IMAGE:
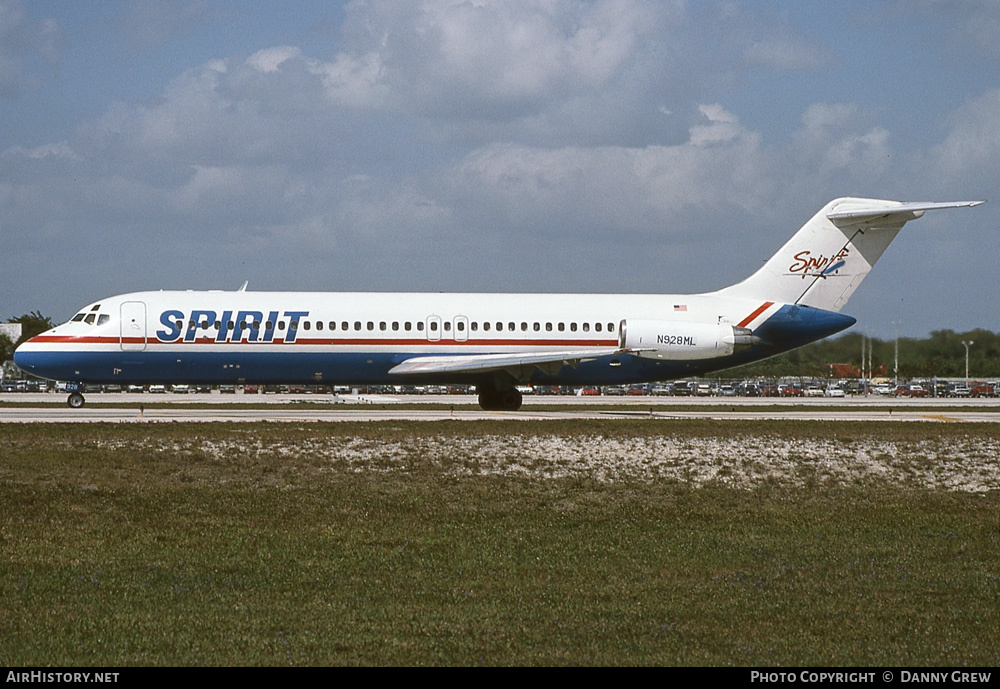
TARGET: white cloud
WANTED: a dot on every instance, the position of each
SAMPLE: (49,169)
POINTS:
(61,149)
(723,126)
(972,148)
(270,59)
(436,55)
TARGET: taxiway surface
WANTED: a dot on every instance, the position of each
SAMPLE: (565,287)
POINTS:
(119,408)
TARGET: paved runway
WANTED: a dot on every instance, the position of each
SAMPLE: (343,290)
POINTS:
(102,408)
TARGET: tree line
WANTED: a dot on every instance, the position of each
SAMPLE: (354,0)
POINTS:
(31,324)
(941,355)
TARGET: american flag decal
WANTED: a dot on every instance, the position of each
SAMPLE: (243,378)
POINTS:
(680,307)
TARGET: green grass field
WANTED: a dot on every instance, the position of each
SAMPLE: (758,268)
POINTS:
(392,543)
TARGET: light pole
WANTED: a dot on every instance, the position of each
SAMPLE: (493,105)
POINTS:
(895,362)
(967,345)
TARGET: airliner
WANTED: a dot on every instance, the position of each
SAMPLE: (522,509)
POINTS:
(495,342)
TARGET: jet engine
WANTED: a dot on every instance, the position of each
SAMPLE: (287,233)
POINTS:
(679,340)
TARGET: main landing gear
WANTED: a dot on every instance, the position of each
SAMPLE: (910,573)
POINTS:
(500,400)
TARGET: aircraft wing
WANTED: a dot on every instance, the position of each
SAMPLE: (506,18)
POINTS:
(890,212)
(520,365)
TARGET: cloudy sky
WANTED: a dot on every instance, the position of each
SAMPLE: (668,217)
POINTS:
(536,146)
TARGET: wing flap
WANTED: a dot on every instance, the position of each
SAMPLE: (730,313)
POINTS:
(518,364)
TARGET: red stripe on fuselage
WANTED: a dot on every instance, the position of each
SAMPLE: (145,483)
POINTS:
(759,310)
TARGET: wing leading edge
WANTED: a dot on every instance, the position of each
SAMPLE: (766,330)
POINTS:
(520,365)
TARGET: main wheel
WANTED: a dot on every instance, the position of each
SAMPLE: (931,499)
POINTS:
(492,400)
(75,400)
(511,400)
(489,400)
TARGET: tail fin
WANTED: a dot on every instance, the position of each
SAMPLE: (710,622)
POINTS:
(826,260)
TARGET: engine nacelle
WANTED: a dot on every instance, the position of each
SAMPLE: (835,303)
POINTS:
(681,341)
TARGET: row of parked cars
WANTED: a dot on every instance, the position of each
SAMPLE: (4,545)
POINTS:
(680,388)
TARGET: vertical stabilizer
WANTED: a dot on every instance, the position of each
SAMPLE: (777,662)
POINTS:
(826,260)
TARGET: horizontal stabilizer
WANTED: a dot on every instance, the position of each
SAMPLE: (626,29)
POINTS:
(889,212)
(548,362)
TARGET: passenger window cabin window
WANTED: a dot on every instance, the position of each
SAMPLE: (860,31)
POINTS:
(536,327)
(406,326)
(460,326)
(524,326)
(434,326)
(420,325)
(319,325)
(381,326)
(281,325)
(447,326)
(371,326)
(597,327)
(562,327)
(586,327)
(395,325)
(474,326)
(306,324)
(511,327)
(572,327)
(548,327)
(357,325)
(611,327)
(332,325)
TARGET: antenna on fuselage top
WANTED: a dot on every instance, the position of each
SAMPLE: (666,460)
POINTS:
(243,288)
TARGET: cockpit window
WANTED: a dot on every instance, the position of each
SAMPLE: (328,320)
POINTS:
(103,318)
(89,320)
(78,317)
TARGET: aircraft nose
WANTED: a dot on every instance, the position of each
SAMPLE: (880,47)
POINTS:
(23,358)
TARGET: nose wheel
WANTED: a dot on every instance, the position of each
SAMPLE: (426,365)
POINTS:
(75,400)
